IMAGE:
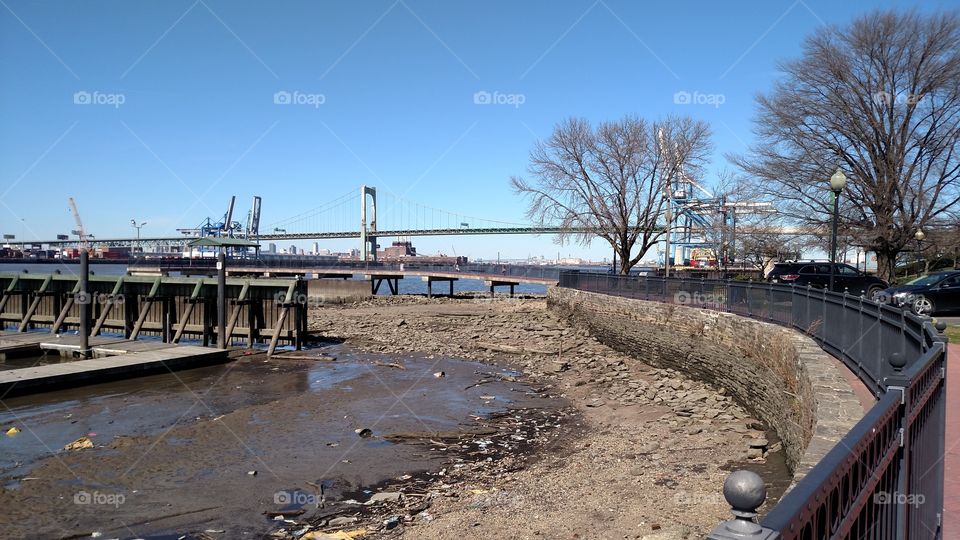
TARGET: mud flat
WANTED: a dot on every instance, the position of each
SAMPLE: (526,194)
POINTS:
(643,454)
(256,447)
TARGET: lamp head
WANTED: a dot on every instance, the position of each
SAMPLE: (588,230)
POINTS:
(919,235)
(838,181)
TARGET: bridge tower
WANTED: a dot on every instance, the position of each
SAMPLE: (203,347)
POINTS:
(368,238)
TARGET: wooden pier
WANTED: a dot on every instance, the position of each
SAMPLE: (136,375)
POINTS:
(114,358)
(172,308)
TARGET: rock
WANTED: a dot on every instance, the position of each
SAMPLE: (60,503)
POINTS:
(559,367)
(385,496)
(79,444)
(341,521)
(758,443)
(754,453)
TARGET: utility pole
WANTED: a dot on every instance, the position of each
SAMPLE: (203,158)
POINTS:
(221,300)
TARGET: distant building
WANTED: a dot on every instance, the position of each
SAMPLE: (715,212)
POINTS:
(316,248)
(293,250)
(271,248)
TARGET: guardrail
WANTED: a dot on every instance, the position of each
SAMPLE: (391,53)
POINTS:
(884,478)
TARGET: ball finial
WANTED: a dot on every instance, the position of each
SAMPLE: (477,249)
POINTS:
(940,326)
(897,360)
(745,491)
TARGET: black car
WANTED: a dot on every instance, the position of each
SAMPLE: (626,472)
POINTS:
(925,295)
(817,274)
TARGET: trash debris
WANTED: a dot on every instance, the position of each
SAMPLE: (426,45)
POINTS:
(252,473)
(79,444)
(342,520)
(12,431)
(339,535)
(440,374)
(386,496)
(364,433)
(391,522)
(390,364)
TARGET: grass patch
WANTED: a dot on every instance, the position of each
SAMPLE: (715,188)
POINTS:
(953,332)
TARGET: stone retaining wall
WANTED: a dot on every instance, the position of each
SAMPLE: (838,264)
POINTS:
(779,375)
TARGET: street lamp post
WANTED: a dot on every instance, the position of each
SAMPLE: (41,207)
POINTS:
(136,226)
(919,236)
(837,182)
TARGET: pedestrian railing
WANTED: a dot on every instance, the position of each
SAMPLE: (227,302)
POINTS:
(884,478)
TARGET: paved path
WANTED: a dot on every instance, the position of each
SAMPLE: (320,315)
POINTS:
(951,486)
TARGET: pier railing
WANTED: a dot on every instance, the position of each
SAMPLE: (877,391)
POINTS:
(317,264)
(884,479)
(169,308)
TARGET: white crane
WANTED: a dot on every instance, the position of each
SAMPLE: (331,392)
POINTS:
(81,232)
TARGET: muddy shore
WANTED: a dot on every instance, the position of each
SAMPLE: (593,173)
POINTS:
(486,418)
(644,456)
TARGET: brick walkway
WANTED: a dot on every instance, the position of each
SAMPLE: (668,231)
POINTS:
(951,486)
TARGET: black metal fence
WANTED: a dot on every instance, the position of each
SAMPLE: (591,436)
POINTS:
(884,479)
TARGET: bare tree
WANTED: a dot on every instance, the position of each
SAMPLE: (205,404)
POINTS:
(881,100)
(609,181)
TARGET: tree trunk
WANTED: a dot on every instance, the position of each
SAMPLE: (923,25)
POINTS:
(887,265)
(624,254)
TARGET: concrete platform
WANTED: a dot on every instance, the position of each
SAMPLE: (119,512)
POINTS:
(114,358)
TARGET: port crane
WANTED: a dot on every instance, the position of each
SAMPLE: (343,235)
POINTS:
(80,232)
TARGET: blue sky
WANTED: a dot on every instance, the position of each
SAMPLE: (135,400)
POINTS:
(177,104)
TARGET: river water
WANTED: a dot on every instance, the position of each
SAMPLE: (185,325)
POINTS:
(411,285)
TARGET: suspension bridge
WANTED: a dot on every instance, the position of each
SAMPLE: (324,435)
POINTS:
(395,216)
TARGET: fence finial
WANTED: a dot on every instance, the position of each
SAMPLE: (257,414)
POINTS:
(745,492)
(897,360)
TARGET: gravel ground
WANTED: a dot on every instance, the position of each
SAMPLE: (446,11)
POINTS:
(643,453)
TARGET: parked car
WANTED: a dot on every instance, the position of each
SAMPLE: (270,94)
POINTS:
(926,295)
(817,274)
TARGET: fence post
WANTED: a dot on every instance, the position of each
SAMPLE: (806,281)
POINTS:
(745,492)
(750,298)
